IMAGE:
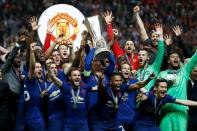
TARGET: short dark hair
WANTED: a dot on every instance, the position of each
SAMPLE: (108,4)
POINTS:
(55,50)
(122,60)
(144,49)
(72,69)
(114,74)
(169,82)
(61,45)
(175,52)
(120,65)
(129,39)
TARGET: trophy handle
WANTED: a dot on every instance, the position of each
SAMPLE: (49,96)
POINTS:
(89,28)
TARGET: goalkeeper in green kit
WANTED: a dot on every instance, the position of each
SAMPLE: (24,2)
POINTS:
(145,69)
(174,116)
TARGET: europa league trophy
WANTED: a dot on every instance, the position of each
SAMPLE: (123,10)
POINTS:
(95,27)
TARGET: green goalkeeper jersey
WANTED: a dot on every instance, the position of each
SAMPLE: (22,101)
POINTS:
(179,78)
(145,72)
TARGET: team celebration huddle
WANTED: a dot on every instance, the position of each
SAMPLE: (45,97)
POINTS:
(83,79)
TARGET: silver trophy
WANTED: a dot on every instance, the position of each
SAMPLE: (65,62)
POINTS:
(96,29)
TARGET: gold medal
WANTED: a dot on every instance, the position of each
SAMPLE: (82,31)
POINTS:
(116,106)
(74,105)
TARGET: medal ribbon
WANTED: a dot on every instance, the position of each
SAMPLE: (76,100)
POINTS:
(38,84)
(73,95)
(115,98)
(157,108)
(132,56)
(50,86)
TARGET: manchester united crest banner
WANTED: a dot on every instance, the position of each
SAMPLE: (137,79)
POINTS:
(65,19)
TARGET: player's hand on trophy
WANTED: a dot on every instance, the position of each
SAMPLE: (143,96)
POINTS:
(84,35)
(83,43)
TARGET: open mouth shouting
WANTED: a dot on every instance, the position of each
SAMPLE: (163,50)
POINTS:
(64,55)
(39,74)
(162,94)
(129,49)
(126,74)
(77,82)
(141,61)
(117,88)
(175,63)
(57,60)
(155,40)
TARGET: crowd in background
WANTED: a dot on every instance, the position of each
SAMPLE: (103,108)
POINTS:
(14,14)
